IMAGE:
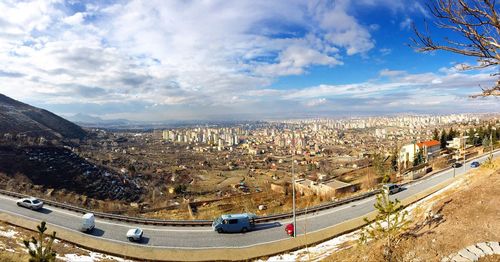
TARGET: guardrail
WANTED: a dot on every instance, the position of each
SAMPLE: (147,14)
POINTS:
(162,222)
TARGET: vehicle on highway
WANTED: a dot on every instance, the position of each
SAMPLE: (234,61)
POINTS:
(474,164)
(30,202)
(392,188)
(88,222)
(456,165)
(134,234)
(234,223)
(289,229)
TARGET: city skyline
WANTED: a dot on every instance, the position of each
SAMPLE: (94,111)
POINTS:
(210,60)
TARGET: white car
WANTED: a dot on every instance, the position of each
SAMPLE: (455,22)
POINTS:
(30,202)
(134,234)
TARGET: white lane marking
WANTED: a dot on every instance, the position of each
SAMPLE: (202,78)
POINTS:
(144,245)
(333,210)
(128,225)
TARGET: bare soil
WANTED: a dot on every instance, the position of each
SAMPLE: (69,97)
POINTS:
(468,212)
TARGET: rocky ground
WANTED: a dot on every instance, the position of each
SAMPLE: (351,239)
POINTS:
(57,170)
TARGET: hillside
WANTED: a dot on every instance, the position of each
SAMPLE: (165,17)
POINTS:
(19,118)
(463,214)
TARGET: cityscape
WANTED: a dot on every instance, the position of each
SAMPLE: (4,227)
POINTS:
(250,130)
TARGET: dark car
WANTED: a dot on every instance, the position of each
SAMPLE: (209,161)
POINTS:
(474,164)
(456,165)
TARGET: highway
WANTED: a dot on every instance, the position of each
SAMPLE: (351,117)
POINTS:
(205,238)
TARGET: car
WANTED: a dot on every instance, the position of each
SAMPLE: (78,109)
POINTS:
(392,188)
(134,234)
(456,165)
(474,164)
(30,202)
(289,229)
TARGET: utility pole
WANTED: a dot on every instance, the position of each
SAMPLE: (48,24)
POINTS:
(491,142)
(463,137)
(293,187)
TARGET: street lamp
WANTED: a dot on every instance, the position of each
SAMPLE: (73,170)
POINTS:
(491,142)
(293,188)
(464,153)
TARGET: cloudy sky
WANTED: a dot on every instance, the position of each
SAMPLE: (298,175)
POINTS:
(245,59)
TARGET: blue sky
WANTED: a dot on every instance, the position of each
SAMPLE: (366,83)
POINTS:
(174,60)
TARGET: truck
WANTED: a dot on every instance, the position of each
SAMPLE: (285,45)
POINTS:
(88,222)
(234,223)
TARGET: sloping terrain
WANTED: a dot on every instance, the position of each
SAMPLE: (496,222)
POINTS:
(19,118)
(464,214)
(45,168)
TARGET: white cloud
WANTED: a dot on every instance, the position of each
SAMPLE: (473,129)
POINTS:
(406,23)
(391,73)
(385,51)
(75,19)
(190,56)
(315,102)
(167,52)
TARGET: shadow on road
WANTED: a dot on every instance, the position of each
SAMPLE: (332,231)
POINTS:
(97,232)
(144,240)
(45,211)
(264,226)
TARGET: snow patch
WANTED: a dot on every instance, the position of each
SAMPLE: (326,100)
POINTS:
(91,257)
(318,252)
(9,233)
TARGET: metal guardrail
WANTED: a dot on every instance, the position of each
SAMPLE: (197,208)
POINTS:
(162,222)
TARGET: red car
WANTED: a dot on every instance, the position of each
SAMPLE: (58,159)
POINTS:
(289,229)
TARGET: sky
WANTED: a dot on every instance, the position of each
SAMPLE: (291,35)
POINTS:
(248,59)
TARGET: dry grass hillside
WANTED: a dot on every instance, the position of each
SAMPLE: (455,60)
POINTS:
(466,213)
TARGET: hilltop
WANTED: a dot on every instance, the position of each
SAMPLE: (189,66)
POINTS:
(19,118)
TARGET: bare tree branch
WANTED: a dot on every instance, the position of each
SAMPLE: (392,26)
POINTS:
(477,26)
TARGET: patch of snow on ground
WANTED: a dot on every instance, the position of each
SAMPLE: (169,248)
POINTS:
(318,252)
(9,233)
(91,257)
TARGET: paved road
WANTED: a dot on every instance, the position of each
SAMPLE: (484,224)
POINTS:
(204,237)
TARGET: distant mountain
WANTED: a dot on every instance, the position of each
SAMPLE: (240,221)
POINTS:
(17,117)
(94,121)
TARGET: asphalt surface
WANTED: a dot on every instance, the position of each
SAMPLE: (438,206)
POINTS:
(204,237)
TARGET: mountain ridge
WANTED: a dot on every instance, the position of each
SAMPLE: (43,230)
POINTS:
(19,118)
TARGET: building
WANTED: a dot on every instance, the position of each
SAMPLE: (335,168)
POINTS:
(407,155)
(327,189)
(457,142)
(430,149)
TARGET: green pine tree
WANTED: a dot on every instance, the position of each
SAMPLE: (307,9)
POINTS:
(435,134)
(471,135)
(389,224)
(394,159)
(419,158)
(451,134)
(442,140)
(38,251)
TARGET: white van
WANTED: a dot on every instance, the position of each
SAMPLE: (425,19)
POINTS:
(88,222)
